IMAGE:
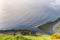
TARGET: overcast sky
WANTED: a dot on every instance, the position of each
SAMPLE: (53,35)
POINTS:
(27,13)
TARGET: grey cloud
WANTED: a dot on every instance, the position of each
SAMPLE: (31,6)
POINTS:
(27,13)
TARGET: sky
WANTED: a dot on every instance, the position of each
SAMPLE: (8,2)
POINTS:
(16,14)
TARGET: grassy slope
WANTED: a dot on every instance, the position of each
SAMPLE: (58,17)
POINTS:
(21,37)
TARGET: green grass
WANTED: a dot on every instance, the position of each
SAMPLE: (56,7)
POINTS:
(23,37)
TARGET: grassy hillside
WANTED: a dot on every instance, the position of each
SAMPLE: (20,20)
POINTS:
(23,37)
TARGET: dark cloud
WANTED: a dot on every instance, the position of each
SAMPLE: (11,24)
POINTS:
(27,13)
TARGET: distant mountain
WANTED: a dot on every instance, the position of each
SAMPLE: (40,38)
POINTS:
(46,27)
